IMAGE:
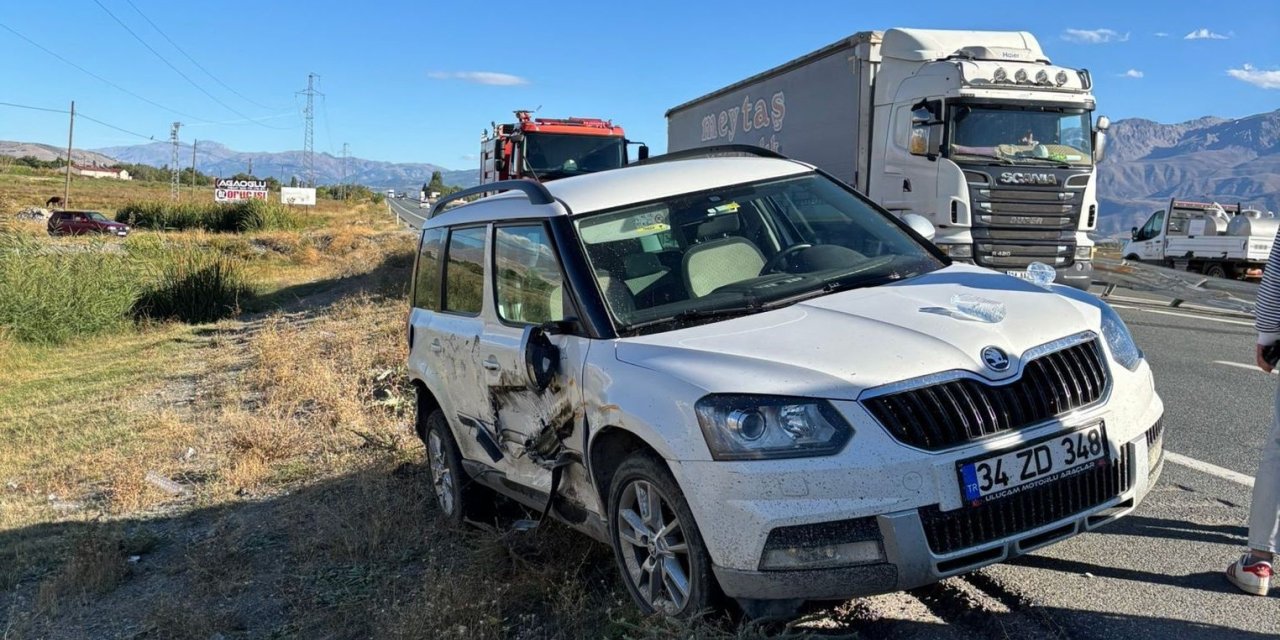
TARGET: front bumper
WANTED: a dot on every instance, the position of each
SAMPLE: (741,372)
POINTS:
(1078,275)
(911,562)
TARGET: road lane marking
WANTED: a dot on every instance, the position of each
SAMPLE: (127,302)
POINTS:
(1211,469)
(1241,365)
(1185,315)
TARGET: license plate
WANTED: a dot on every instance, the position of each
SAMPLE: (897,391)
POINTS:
(1047,460)
(1019,274)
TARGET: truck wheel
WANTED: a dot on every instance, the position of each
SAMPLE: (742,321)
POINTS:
(656,542)
(1217,271)
(458,497)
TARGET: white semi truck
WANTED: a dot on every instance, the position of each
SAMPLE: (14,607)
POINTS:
(1224,241)
(974,130)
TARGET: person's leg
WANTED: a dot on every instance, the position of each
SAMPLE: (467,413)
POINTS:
(1264,507)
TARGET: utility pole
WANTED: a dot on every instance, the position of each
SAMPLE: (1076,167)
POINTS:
(308,140)
(250,166)
(193,167)
(173,161)
(71,129)
(346,154)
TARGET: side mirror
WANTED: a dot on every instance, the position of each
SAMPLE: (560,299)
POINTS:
(1133,233)
(926,140)
(1100,138)
(643,152)
(920,225)
(541,358)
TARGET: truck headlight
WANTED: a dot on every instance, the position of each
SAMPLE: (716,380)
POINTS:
(1123,349)
(957,250)
(1084,253)
(755,427)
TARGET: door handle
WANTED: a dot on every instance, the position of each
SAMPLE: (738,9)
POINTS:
(491,363)
(435,346)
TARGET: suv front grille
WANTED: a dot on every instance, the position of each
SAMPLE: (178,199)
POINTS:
(972,526)
(958,411)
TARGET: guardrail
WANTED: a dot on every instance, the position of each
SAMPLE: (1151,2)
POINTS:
(1219,293)
(404,216)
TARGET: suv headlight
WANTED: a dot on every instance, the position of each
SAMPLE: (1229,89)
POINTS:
(1123,349)
(753,427)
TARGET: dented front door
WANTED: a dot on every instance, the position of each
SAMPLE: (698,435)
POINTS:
(535,427)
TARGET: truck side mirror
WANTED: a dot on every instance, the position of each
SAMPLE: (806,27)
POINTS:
(1133,233)
(1100,138)
(926,140)
(643,152)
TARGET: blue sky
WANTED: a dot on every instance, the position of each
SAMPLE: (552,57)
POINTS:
(412,81)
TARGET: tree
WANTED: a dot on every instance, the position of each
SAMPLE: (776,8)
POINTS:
(293,182)
(437,182)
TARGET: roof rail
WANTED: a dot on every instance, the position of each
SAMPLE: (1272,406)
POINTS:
(713,151)
(535,191)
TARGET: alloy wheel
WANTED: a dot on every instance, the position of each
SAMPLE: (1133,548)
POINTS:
(441,476)
(654,549)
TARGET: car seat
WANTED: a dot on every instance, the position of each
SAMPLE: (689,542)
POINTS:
(720,258)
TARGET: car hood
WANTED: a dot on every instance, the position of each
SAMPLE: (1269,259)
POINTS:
(838,345)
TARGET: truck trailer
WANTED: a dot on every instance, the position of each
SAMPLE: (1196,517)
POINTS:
(976,131)
(1219,240)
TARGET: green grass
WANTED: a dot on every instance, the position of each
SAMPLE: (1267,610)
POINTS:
(194,285)
(239,217)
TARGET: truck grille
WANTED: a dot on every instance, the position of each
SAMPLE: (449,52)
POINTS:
(958,411)
(972,526)
(1013,227)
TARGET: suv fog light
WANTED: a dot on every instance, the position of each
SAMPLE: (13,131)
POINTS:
(1084,253)
(834,555)
(957,250)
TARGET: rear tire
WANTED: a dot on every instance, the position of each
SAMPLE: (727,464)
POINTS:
(457,495)
(656,543)
(1217,271)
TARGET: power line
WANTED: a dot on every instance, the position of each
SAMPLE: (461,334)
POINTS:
(193,60)
(80,115)
(98,77)
(177,70)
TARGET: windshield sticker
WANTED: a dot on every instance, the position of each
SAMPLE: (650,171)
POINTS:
(728,207)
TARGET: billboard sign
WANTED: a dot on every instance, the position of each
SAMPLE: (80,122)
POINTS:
(304,196)
(230,190)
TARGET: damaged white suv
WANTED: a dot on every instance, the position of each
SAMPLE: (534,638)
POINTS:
(750,380)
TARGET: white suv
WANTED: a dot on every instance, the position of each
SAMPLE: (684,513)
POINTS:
(750,380)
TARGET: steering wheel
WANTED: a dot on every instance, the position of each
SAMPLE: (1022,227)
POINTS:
(776,261)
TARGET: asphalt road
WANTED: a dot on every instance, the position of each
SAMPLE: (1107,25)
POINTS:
(1158,571)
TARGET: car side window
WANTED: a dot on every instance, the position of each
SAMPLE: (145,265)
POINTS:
(426,293)
(464,271)
(528,281)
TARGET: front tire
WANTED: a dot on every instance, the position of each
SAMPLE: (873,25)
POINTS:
(656,542)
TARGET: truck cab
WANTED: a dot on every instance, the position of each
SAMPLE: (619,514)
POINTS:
(551,148)
(994,144)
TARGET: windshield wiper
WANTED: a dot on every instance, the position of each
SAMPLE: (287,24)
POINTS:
(690,315)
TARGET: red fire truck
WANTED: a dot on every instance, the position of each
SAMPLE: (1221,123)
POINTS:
(550,148)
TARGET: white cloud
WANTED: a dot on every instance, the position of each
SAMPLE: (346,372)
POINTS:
(1204,34)
(1256,77)
(1094,36)
(1160,34)
(1132,73)
(480,77)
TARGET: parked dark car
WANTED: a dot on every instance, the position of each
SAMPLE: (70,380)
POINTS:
(74,223)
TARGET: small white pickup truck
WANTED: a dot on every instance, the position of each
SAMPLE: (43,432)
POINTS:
(1217,240)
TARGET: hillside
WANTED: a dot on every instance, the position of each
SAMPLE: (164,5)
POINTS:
(1209,158)
(216,159)
(47,152)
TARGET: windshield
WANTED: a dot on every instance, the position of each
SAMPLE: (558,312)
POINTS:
(550,155)
(1020,135)
(742,249)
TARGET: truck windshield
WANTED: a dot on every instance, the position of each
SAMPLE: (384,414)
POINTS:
(742,249)
(1020,135)
(550,155)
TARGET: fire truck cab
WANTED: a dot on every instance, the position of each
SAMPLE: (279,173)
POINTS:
(549,148)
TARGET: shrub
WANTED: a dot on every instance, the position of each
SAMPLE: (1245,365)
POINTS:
(236,217)
(53,296)
(194,285)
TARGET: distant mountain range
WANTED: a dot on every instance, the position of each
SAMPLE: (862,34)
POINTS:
(48,153)
(216,159)
(1207,159)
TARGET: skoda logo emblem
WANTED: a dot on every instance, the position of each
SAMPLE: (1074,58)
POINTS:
(995,359)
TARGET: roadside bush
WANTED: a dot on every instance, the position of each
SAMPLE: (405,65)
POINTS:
(54,296)
(194,285)
(238,217)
